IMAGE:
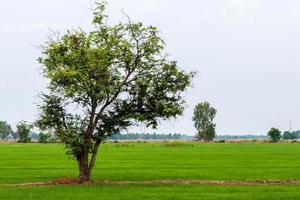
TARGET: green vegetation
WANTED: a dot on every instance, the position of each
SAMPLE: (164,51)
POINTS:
(274,134)
(203,119)
(101,83)
(6,130)
(23,131)
(291,135)
(132,192)
(149,136)
(115,76)
(44,162)
(177,144)
(44,137)
(153,161)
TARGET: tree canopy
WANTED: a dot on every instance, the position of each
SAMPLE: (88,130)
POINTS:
(6,130)
(203,119)
(23,131)
(291,135)
(274,134)
(104,81)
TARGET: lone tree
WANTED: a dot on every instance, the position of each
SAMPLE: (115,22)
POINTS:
(105,81)
(203,118)
(23,131)
(274,134)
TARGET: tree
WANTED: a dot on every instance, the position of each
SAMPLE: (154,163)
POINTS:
(44,137)
(24,130)
(203,119)
(5,130)
(274,134)
(287,135)
(105,81)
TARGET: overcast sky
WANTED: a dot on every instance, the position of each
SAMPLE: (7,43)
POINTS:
(247,54)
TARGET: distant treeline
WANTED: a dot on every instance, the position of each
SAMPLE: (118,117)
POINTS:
(241,137)
(287,135)
(176,136)
(150,136)
(7,133)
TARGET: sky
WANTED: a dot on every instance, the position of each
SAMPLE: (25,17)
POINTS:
(247,54)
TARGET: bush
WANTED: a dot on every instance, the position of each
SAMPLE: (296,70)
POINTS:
(177,144)
(124,145)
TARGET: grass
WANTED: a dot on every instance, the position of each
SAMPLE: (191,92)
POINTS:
(37,162)
(188,192)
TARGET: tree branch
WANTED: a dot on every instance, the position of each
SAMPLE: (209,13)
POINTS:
(94,154)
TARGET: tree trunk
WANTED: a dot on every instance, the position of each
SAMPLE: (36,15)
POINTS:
(84,166)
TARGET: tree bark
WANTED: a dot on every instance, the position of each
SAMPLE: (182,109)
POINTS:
(84,166)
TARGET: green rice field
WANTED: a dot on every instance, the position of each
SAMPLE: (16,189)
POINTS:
(28,163)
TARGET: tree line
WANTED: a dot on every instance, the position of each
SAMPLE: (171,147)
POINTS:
(24,133)
(148,136)
(275,135)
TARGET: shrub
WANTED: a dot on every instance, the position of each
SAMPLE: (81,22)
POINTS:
(177,144)
(124,145)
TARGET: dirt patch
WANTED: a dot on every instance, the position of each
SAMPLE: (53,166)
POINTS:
(31,184)
(66,181)
(73,181)
(200,182)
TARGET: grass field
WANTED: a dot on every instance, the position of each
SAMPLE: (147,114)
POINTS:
(36,162)
(112,192)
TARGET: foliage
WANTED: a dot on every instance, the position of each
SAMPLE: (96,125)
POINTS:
(274,134)
(287,135)
(147,136)
(203,119)
(6,130)
(23,131)
(104,81)
(44,137)
(124,145)
(177,144)
(241,137)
